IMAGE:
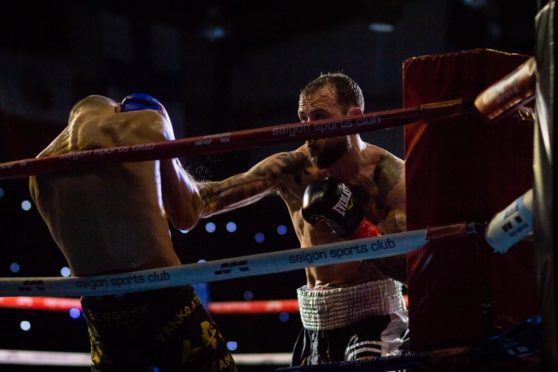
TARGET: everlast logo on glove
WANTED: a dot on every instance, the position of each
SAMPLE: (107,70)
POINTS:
(344,202)
(331,201)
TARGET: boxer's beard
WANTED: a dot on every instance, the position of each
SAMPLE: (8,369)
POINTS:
(325,152)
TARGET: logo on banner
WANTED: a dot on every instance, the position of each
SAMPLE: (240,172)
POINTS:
(29,285)
(227,267)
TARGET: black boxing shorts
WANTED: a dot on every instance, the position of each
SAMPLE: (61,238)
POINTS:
(167,329)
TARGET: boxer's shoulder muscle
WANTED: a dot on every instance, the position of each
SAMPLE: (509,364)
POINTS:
(380,184)
(298,172)
(389,178)
(389,172)
(131,128)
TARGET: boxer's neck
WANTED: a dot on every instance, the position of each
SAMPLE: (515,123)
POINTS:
(348,163)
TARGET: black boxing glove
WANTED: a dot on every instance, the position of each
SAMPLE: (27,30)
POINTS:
(331,200)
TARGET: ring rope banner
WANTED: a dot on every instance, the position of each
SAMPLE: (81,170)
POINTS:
(234,141)
(238,267)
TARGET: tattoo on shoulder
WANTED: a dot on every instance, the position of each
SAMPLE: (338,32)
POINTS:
(278,165)
(388,173)
(292,164)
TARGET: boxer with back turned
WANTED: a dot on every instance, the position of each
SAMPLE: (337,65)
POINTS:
(113,219)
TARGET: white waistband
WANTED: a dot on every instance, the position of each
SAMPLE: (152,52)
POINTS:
(331,308)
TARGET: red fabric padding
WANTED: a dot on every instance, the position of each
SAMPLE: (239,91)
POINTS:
(457,170)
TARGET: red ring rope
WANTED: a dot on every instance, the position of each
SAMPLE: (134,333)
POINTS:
(232,141)
(230,307)
(514,90)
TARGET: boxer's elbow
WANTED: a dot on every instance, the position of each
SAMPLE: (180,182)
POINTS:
(183,220)
(181,197)
(185,212)
(185,224)
(396,221)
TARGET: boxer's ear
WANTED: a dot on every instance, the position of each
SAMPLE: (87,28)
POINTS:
(354,111)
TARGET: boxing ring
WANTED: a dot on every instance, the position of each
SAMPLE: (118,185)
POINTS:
(75,359)
(434,116)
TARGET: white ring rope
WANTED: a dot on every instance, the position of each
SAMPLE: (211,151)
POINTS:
(238,267)
(76,359)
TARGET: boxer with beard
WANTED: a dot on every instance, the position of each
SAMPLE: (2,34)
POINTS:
(334,188)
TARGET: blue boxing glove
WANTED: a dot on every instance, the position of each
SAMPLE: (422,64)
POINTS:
(141,101)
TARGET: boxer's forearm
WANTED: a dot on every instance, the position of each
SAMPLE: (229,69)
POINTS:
(232,193)
(246,188)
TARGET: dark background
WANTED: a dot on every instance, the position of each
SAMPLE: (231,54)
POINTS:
(217,66)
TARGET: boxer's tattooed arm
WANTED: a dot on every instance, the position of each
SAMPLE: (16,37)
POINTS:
(387,175)
(389,193)
(246,188)
(389,196)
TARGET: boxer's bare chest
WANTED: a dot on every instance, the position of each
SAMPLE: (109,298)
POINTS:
(359,179)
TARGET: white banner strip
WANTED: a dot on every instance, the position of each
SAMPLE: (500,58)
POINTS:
(57,358)
(238,267)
